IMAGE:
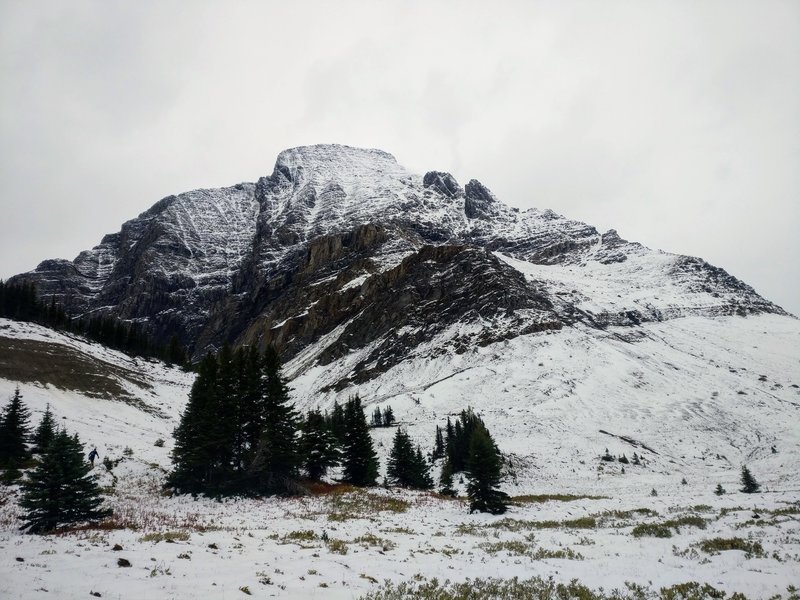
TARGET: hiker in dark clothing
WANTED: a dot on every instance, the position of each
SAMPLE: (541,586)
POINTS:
(92,455)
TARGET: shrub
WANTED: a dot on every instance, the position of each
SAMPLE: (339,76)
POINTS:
(337,546)
(717,545)
(664,529)
(658,530)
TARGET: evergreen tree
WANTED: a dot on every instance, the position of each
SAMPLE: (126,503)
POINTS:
(175,353)
(388,417)
(14,433)
(749,483)
(446,480)
(449,442)
(422,472)
(484,475)
(438,446)
(191,455)
(61,489)
(400,469)
(222,422)
(720,491)
(337,423)
(359,461)
(274,466)
(377,418)
(250,415)
(45,432)
(458,453)
(318,446)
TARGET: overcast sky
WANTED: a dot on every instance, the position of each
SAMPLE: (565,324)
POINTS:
(676,123)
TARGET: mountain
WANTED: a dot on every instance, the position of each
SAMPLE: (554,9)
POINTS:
(426,296)
(345,245)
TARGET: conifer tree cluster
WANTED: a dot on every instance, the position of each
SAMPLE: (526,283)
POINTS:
(238,431)
(407,466)
(467,446)
(60,489)
(20,302)
(458,436)
(383,418)
(241,434)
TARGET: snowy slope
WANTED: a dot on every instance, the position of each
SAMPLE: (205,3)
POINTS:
(704,395)
(672,386)
(155,395)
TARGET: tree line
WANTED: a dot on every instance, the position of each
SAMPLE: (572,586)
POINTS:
(240,434)
(20,301)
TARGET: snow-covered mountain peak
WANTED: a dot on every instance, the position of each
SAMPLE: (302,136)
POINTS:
(323,163)
(345,237)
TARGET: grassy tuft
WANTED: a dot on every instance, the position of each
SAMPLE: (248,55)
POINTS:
(420,588)
(539,498)
(165,536)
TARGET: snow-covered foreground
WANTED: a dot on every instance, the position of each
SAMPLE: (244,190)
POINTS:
(340,546)
(672,389)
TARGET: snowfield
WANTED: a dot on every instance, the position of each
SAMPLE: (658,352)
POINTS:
(695,397)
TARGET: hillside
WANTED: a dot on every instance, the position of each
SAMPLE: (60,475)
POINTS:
(547,398)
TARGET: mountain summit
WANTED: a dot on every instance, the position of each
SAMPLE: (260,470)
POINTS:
(343,249)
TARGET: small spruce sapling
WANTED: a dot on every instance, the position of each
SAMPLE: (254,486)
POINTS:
(446,480)
(749,483)
(719,491)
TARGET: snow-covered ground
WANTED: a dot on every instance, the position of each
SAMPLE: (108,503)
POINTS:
(672,389)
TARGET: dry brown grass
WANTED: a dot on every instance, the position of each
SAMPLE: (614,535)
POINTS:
(68,369)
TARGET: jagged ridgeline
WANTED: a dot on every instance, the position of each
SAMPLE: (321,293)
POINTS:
(346,245)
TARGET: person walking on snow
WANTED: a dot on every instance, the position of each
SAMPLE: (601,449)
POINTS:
(92,455)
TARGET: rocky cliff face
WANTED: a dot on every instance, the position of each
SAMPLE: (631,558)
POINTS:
(343,249)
